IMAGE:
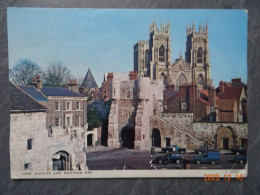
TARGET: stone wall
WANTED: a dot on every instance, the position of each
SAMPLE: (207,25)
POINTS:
(24,126)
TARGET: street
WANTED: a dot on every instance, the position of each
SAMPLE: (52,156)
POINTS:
(102,158)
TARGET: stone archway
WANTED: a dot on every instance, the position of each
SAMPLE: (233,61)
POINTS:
(156,137)
(128,137)
(61,161)
(225,138)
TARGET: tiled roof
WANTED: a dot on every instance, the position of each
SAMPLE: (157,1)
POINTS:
(230,92)
(21,102)
(204,94)
(204,101)
(226,104)
(89,81)
(32,91)
(58,91)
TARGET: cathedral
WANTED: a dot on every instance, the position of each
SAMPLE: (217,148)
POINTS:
(153,58)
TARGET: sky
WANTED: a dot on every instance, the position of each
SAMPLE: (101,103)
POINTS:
(103,39)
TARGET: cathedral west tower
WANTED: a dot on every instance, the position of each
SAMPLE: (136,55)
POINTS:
(197,55)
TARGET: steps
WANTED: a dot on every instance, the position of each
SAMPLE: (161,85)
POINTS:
(180,131)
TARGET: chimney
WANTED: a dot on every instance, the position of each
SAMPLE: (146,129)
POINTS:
(133,75)
(110,76)
(236,82)
(212,95)
(37,82)
(73,85)
(221,86)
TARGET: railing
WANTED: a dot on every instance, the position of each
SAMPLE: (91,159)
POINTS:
(180,131)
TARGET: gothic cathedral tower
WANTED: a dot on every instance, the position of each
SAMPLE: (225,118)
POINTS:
(160,51)
(197,55)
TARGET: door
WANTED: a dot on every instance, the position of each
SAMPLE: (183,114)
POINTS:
(168,140)
(225,143)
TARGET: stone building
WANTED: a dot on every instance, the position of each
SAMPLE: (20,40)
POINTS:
(65,125)
(175,103)
(153,58)
(28,133)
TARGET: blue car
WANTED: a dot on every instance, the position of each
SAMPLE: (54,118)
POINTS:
(241,159)
(209,157)
(169,158)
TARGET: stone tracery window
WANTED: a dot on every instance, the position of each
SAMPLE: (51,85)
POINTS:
(161,54)
(199,55)
(181,80)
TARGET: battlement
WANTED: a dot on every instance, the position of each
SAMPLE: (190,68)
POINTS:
(164,28)
(202,31)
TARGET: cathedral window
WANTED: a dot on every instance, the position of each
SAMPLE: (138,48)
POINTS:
(200,80)
(199,55)
(181,81)
(161,54)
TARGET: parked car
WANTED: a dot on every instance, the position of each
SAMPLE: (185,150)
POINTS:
(174,148)
(241,159)
(204,149)
(239,150)
(169,158)
(209,157)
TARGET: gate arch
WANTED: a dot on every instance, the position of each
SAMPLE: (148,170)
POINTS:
(225,138)
(127,137)
(61,160)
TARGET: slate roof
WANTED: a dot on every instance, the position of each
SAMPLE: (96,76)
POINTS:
(89,81)
(58,91)
(32,91)
(21,102)
(230,92)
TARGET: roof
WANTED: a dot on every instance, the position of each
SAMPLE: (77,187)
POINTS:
(204,101)
(32,91)
(59,91)
(89,81)
(230,92)
(204,94)
(226,104)
(21,102)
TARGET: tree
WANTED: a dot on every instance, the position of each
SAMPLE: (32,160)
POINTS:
(57,75)
(24,71)
(93,117)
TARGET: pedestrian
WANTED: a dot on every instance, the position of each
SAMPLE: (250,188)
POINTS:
(184,163)
(188,163)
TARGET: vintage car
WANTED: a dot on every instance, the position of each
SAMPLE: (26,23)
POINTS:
(241,159)
(209,157)
(204,149)
(174,148)
(239,150)
(169,158)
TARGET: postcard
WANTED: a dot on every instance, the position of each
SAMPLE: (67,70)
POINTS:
(127,93)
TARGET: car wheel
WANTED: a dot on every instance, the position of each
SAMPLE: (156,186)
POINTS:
(241,161)
(178,161)
(213,162)
(237,153)
(160,162)
(198,162)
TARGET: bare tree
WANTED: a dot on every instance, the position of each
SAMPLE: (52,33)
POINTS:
(57,75)
(23,72)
